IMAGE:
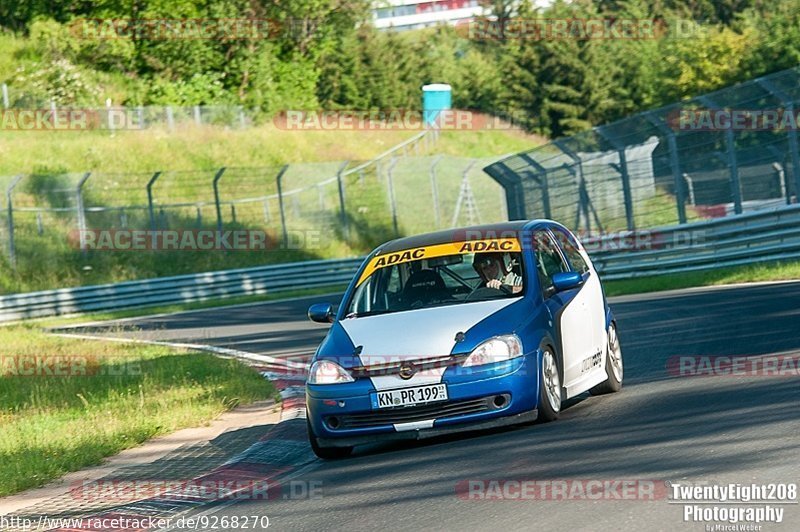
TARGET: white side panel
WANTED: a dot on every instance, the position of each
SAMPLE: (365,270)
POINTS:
(582,337)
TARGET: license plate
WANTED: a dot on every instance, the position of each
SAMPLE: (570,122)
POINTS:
(418,395)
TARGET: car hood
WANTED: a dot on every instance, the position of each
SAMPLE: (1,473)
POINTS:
(417,334)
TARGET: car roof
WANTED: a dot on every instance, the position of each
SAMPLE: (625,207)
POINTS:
(457,234)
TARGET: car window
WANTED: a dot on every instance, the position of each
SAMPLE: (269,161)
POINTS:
(570,249)
(437,281)
(548,260)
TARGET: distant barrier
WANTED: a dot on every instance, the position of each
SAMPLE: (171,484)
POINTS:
(178,289)
(745,239)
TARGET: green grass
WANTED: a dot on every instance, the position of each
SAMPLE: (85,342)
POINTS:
(51,425)
(209,147)
(774,271)
(121,166)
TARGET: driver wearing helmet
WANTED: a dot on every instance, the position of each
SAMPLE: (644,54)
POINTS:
(494,272)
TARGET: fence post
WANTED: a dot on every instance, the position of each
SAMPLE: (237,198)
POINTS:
(241,117)
(392,202)
(280,206)
(5,96)
(266,210)
(623,172)
(215,184)
(675,165)
(435,191)
(342,211)
(512,185)
(690,184)
(81,212)
(109,118)
(503,205)
(733,165)
(12,250)
(150,210)
(170,118)
(544,184)
(583,195)
(736,184)
(782,182)
(197,119)
(465,196)
(790,132)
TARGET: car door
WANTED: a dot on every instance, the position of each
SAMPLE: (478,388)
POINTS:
(586,321)
(570,312)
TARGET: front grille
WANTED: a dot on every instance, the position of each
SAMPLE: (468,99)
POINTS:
(409,414)
(393,367)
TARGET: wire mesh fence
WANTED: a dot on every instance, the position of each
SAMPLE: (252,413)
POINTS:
(720,154)
(329,209)
(24,113)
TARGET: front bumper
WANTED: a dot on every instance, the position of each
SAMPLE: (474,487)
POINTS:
(516,380)
(421,434)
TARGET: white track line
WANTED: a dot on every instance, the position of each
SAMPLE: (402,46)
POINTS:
(224,351)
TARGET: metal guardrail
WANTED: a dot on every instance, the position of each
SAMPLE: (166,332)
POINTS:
(179,289)
(663,162)
(732,241)
(744,239)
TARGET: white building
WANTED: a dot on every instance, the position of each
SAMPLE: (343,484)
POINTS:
(413,14)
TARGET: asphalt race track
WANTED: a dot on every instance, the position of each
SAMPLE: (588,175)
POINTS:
(661,427)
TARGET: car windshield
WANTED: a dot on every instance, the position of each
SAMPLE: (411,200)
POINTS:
(453,279)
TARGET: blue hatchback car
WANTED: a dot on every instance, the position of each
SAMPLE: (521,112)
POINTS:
(460,330)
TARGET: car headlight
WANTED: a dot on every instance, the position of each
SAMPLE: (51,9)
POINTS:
(328,372)
(497,349)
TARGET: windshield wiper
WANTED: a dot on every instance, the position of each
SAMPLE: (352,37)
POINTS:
(366,313)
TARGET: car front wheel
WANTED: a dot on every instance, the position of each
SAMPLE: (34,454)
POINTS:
(549,387)
(614,366)
(326,453)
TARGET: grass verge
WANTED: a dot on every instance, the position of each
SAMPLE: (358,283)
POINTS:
(768,271)
(209,147)
(120,167)
(114,397)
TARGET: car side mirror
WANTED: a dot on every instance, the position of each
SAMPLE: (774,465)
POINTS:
(567,281)
(321,313)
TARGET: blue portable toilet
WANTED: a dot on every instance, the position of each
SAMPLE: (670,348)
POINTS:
(436,97)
